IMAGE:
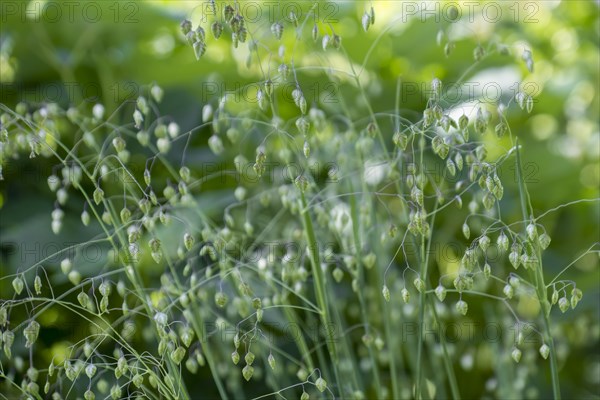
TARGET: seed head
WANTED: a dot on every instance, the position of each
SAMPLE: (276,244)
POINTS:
(199,49)
(284,71)
(321,384)
(336,41)
(458,201)
(338,274)
(98,195)
(177,355)
(277,30)
(544,241)
(386,293)
(462,307)
(417,195)
(531,232)
(249,358)
(217,29)
(247,372)
(544,351)
(440,292)
(235,357)
(74,277)
(90,370)
(98,111)
(303,124)
(104,304)
(528,58)
(466,231)
(508,291)
(451,167)
(419,284)
(301,183)
(514,259)
(186,26)
(563,304)
(405,295)
(221,299)
(85,218)
(516,355)
(228,13)
(125,215)
(17,284)
(215,144)
(173,130)
(484,243)
(105,289)
(271,361)
(119,144)
(574,301)
(31,333)
(528,261)
(83,299)
(315,32)
(53,182)
(400,140)
(448,48)
(325,41)
(366,21)
(502,241)
(529,104)
(440,147)
(188,241)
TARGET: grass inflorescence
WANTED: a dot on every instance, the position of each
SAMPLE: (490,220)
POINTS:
(325,271)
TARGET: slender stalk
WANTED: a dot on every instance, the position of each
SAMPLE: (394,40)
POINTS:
(299,339)
(422,296)
(446,357)
(423,271)
(390,339)
(319,284)
(526,209)
(360,278)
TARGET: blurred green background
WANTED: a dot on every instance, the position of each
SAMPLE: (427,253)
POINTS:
(108,51)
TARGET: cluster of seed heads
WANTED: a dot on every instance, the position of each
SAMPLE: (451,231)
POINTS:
(175,309)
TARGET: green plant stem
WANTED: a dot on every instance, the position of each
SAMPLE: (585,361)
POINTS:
(446,357)
(204,345)
(360,279)
(423,271)
(300,342)
(376,277)
(422,295)
(319,285)
(538,276)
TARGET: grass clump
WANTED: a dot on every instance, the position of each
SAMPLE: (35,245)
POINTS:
(325,269)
